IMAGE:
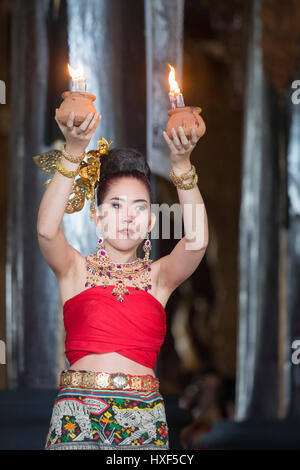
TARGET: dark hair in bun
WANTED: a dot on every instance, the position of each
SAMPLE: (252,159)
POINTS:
(122,162)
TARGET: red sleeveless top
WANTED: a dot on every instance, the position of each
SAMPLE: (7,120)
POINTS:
(96,322)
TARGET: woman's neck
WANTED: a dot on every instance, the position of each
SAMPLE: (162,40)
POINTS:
(117,256)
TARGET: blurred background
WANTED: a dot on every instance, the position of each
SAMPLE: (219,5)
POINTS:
(228,368)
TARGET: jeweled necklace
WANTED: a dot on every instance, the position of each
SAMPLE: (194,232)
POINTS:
(99,267)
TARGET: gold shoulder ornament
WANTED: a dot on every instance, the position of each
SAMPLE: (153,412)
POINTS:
(84,186)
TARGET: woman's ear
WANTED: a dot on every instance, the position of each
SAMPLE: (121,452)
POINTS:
(96,215)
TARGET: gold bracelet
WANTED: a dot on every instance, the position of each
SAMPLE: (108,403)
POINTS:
(67,173)
(180,178)
(188,185)
(70,157)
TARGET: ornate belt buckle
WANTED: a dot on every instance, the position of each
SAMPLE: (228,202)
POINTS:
(76,379)
(118,380)
(88,379)
(100,381)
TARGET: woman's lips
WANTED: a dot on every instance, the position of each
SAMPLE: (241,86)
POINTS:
(127,232)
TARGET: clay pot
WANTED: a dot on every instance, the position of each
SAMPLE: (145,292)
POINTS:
(78,101)
(186,117)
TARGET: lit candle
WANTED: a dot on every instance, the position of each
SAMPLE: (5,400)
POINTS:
(78,80)
(175,96)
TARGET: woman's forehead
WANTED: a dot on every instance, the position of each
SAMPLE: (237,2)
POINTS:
(127,191)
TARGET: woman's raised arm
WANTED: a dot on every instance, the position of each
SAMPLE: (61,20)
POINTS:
(57,252)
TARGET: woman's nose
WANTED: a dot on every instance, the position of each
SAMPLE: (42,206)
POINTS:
(129,215)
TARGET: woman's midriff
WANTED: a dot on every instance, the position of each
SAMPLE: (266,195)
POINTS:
(111,362)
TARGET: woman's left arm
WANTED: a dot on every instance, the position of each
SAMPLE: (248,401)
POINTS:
(186,256)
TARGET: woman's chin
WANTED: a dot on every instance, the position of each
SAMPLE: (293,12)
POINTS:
(128,241)
(125,240)
(129,236)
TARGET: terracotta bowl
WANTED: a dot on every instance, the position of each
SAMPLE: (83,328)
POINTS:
(186,117)
(78,101)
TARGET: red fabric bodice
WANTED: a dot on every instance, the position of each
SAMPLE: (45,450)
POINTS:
(96,322)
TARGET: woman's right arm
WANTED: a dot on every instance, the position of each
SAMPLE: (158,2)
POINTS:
(58,254)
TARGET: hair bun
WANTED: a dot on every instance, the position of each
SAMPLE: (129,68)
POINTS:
(123,160)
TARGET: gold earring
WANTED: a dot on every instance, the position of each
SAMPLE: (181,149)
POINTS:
(147,247)
(100,245)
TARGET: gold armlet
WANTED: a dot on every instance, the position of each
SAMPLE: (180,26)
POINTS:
(71,158)
(183,176)
(191,185)
(67,173)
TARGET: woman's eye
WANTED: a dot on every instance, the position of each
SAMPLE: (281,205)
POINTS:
(118,206)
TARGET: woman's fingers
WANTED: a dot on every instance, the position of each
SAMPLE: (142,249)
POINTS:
(170,143)
(176,141)
(82,132)
(194,136)
(184,144)
(184,140)
(84,125)
(94,122)
(70,121)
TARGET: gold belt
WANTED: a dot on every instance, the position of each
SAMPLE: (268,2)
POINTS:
(113,381)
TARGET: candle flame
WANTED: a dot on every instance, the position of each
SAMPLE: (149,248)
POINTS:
(174,87)
(76,73)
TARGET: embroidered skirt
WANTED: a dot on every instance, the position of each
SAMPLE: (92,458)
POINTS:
(107,419)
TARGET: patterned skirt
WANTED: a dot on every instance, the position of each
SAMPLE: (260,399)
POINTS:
(107,419)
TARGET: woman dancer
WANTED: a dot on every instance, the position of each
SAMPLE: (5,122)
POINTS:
(113,301)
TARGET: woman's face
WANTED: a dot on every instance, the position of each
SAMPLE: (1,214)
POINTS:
(125,206)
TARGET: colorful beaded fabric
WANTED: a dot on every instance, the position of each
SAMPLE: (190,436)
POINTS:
(107,420)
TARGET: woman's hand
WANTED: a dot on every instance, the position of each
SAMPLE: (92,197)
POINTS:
(79,137)
(180,146)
